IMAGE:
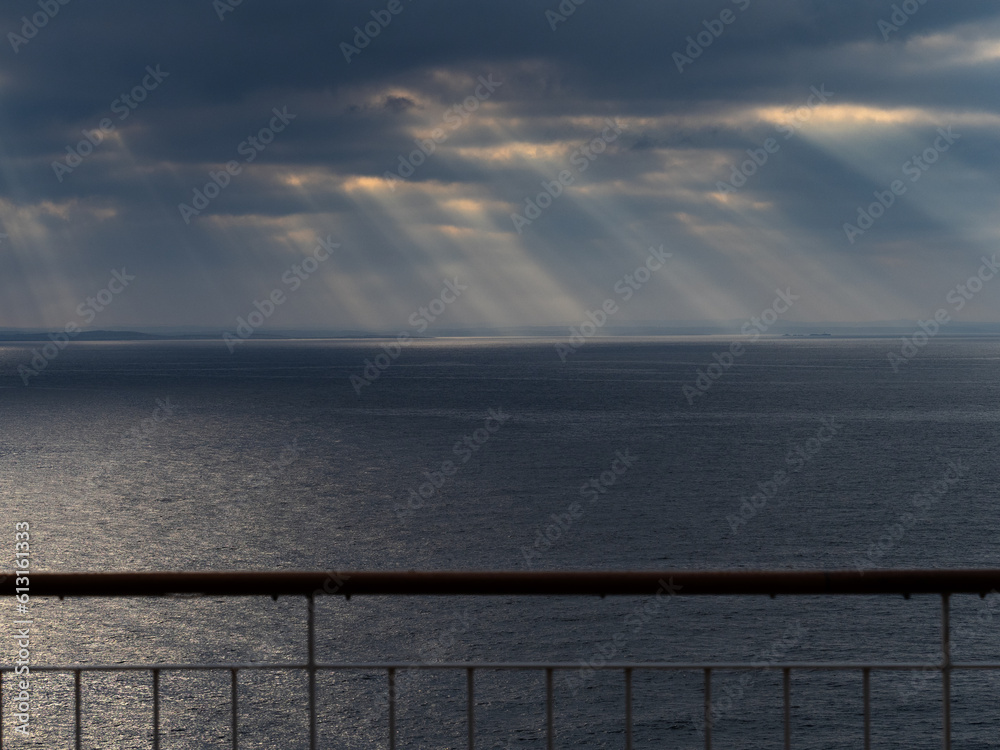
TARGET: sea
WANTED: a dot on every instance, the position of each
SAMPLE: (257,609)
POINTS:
(504,454)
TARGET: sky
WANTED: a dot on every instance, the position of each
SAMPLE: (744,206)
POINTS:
(389,166)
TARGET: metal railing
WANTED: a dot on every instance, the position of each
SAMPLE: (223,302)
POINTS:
(362,583)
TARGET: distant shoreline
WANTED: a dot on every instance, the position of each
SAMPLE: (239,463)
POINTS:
(547,335)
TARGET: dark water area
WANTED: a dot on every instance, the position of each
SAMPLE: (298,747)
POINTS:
(495,454)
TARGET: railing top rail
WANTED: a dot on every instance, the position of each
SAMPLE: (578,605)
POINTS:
(509,583)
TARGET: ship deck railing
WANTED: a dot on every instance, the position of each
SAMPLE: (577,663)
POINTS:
(314,584)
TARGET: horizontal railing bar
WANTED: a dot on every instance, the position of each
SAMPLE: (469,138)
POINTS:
(508,583)
(887,666)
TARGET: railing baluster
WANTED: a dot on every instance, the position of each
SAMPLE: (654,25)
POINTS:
(311,638)
(236,715)
(392,708)
(946,671)
(550,725)
(867,691)
(708,708)
(470,707)
(787,690)
(628,708)
(156,709)
(76,695)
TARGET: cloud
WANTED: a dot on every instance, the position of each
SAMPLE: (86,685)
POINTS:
(683,133)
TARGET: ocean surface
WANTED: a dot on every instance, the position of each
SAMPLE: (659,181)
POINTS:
(803,454)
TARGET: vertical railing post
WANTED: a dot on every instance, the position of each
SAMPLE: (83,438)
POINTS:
(945,672)
(866,678)
(311,647)
(708,708)
(156,709)
(392,708)
(550,723)
(787,690)
(628,708)
(76,695)
(470,706)
(236,709)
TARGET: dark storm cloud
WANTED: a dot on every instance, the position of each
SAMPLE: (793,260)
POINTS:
(69,74)
(686,129)
(224,76)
